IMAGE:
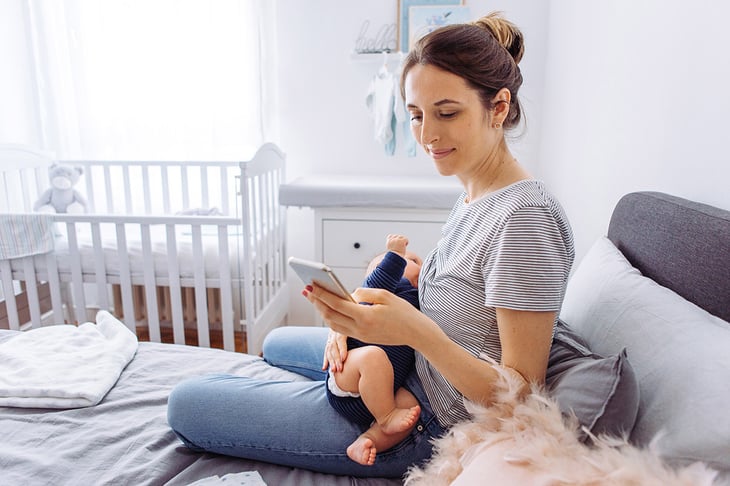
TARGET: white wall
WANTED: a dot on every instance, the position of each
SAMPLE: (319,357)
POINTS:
(636,99)
(324,125)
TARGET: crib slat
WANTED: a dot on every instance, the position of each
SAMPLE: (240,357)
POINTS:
(99,266)
(77,281)
(108,189)
(165,189)
(25,188)
(125,278)
(185,186)
(201,305)
(279,226)
(89,181)
(31,289)
(11,306)
(257,223)
(178,326)
(54,283)
(266,209)
(153,316)
(224,274)
(225,206)
(204,186)
(248,237)
(127,190)
(146,189)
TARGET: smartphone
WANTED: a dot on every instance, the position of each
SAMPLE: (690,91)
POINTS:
(321,274)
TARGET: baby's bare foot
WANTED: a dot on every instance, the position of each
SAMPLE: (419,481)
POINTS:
(400,420)
(362,451)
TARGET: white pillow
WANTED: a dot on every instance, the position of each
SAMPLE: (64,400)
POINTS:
(680,353)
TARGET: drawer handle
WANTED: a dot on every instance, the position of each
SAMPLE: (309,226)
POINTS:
(356,245)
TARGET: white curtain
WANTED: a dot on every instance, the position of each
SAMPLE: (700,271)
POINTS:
(150,79)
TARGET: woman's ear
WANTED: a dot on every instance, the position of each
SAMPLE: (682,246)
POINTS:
(501,103)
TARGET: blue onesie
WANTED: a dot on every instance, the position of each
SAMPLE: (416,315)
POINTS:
(388,275)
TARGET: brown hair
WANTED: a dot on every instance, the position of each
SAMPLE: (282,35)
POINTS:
(485,53)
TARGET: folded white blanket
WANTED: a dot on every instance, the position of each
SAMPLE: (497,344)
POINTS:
(64,366)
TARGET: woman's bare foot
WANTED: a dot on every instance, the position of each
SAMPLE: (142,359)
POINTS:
(400,420)
(362,451)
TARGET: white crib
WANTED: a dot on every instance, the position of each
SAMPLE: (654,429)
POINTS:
(147,248)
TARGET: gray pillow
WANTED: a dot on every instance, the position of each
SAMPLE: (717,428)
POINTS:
(603,393)
(678,351)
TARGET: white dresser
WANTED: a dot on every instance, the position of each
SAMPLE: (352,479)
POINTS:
(354,214)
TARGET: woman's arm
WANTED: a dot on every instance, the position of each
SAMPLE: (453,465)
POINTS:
(525,338)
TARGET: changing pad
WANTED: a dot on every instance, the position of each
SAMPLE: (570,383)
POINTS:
(371,191)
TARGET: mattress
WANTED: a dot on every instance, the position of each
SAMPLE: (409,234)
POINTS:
(158,243)
(125,439)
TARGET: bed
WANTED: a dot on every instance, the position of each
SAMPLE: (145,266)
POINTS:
(181,249)
(124,439)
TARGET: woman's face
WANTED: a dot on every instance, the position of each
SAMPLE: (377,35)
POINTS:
(449,120)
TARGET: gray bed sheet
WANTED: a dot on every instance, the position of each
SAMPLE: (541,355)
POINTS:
(125,439)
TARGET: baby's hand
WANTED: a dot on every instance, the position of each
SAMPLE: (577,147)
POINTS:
(397,244)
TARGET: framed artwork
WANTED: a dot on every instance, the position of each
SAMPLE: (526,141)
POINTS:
(422,20)
(404,7)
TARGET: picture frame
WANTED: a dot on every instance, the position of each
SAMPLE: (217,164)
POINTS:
(425,19)
(403,10)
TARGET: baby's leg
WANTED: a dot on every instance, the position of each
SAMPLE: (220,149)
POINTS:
(366,446)
(367,371)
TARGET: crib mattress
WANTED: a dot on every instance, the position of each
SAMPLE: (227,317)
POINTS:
(125,439)
(160,255)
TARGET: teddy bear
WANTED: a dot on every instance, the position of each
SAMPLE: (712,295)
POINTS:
(61,197)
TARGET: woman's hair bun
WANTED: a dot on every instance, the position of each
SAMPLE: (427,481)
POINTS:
(506,33)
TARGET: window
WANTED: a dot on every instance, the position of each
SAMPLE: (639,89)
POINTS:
(152,79)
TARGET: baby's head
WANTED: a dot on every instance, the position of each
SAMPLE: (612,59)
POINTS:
(413,266)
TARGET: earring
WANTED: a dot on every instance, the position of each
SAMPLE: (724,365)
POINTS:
(497,125)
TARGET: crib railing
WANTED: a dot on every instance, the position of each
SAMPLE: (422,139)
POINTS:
(236,197)
(74,280)
(159,187)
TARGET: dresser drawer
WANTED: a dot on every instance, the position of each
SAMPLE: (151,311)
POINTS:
(353,243)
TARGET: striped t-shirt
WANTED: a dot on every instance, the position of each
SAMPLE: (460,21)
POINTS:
(510,249)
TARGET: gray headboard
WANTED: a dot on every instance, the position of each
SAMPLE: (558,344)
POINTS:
(680,244)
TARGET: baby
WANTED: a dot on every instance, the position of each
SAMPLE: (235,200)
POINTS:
(368,388)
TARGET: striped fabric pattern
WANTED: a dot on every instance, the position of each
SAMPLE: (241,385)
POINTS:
(25,234)
(511,249)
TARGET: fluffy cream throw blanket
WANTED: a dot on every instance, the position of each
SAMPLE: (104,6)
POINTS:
(521,441)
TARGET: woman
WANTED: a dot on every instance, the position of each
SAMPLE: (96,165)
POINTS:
(491,289)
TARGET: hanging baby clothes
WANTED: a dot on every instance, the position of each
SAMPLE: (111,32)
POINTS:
(401,115)
(380,101)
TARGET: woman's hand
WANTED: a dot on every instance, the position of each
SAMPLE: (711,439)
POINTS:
(389,320)
(335,351)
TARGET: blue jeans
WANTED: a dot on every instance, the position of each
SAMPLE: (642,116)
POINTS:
(288,423)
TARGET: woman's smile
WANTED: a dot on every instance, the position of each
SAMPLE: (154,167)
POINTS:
(437,154)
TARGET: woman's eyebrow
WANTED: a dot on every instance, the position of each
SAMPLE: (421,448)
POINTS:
(446,102)
(438,103)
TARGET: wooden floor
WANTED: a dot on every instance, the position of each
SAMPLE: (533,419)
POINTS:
(191,337)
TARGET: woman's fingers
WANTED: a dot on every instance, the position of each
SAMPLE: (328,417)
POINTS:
(369,323)
(335,351)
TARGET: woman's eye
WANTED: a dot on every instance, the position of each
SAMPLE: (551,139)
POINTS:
(415,119)
(448,115)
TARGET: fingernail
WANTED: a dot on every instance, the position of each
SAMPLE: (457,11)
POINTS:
(305,293)
(309,288)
